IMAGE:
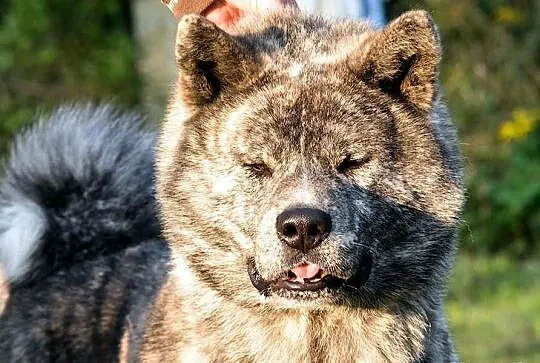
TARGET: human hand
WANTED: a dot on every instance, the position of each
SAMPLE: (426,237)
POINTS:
(225,13)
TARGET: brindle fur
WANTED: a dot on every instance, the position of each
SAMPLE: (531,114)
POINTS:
(259,122)
(298,94)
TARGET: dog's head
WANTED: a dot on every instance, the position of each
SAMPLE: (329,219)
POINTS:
(310,162)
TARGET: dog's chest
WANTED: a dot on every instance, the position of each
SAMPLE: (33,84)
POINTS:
(292,340)
(202,327)
(239,337)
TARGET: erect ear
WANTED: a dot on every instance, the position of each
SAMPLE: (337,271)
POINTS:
(403,59)
(209,61)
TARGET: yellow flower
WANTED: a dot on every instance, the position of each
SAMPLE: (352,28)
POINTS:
(522,123)
(507,15)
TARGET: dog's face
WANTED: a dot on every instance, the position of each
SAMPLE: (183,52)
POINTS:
(310,180)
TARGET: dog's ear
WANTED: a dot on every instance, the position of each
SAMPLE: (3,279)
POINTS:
(403,59)
(209,62)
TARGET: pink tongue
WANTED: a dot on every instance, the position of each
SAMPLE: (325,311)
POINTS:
(306,270)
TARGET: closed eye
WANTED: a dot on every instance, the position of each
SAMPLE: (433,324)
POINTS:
(350,163)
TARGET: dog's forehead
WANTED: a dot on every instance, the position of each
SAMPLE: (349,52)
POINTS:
(280,122)
(289,44)
(317,105)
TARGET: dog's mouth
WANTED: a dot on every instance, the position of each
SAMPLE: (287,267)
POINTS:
(304,277)
(308,280)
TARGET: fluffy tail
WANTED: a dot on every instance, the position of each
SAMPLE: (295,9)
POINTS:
(76,186)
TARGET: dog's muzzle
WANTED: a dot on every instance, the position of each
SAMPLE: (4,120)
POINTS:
(305,277)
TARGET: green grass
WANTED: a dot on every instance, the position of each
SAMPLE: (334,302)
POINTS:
(494,309)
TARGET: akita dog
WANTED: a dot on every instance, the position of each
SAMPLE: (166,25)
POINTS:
(309,186)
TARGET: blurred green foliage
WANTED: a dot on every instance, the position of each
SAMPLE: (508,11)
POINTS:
(55,51)
(59,50)
(504,200)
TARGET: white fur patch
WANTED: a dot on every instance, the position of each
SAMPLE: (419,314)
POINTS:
(21,226)
(341,51)
(182,273)
(233,121)
(295,327)
(325,58)
(223,184)
(295,70)
(304,195)
(189,285)
(192,354)
(171,133)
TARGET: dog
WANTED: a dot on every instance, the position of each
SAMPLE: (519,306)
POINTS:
(80,240)
(309,187)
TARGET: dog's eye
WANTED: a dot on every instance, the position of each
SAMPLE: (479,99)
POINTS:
(259,169)
(350,162)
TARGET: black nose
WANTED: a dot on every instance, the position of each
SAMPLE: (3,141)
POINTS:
(303,228)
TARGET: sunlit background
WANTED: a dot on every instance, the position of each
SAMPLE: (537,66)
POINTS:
(53,51)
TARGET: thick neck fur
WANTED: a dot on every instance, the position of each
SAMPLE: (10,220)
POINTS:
(207,328)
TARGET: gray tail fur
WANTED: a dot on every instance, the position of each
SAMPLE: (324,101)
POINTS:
(76,186)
